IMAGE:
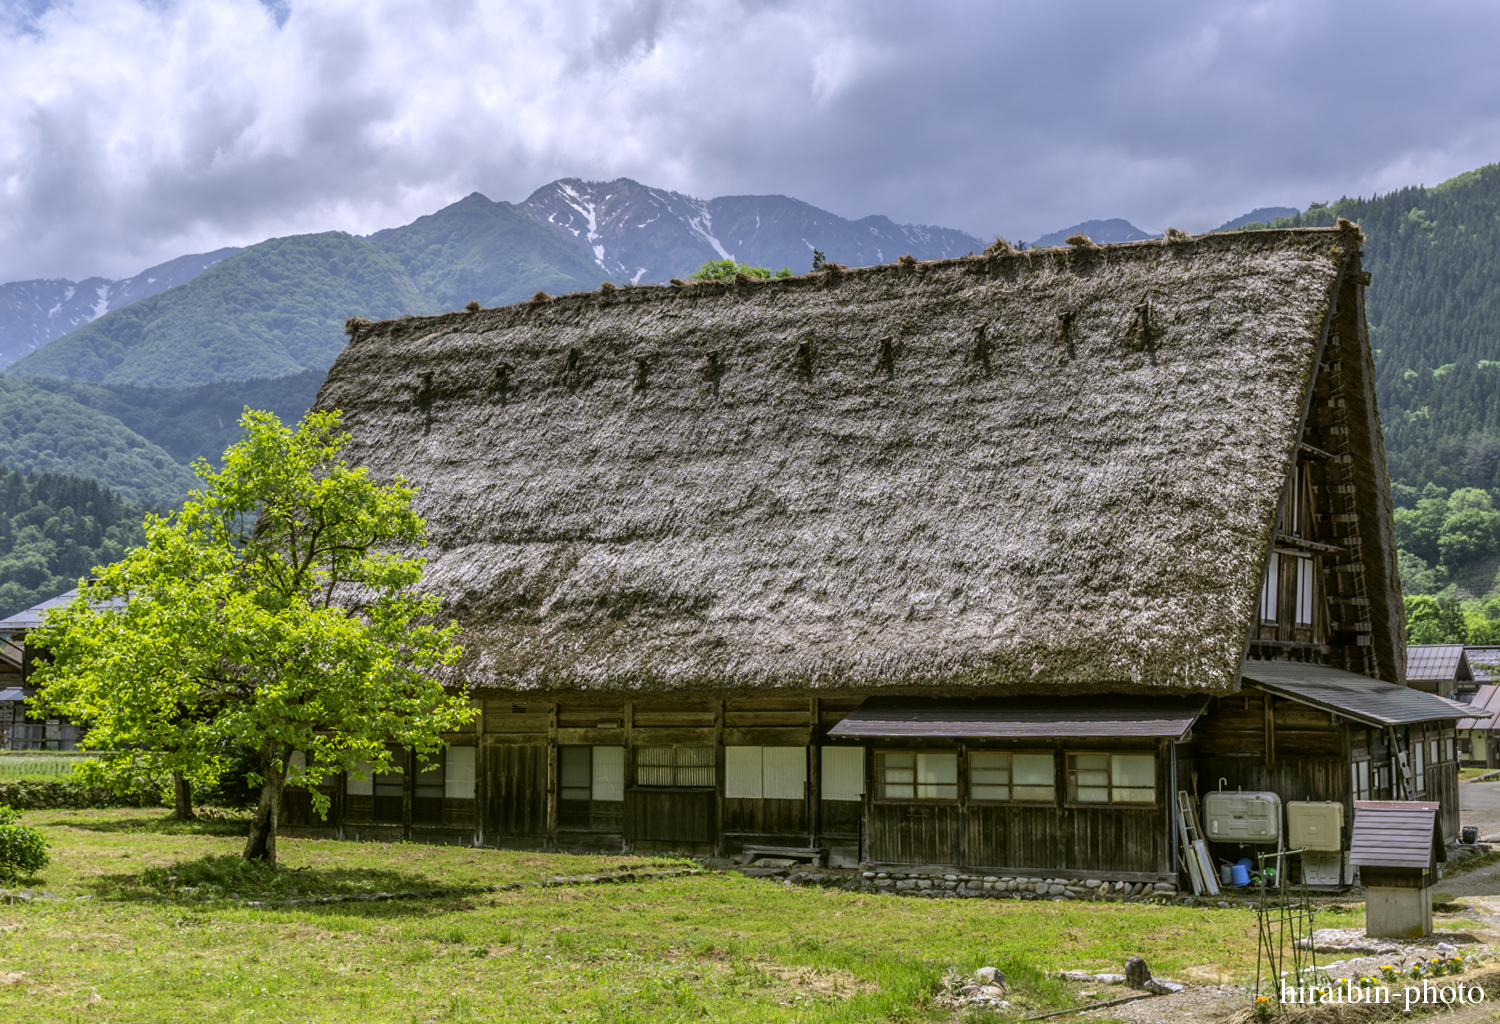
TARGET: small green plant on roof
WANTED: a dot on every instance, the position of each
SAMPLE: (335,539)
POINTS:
(725,270)
(273,611)
(23,851)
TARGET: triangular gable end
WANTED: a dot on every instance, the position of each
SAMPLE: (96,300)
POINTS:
(1330,592)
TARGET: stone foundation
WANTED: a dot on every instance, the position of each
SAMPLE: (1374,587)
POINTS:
(913,883)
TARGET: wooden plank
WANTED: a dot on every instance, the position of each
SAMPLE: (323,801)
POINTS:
(775,737)
(552,774)
(753,719)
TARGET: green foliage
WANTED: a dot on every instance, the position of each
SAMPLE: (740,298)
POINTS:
(724,270)
(1443,534)
(1417,577)
(23,851)
(55,529)
(1433,620)
(231,626)
(43,432)
(272,310)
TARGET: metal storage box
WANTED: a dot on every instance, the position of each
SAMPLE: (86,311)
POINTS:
(1242,817)
(1315,825)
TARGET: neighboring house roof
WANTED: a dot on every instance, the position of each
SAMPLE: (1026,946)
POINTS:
(1353,696)
(32,617)
(1436,663)
(1486,698)
(1484,662)
(1055,468)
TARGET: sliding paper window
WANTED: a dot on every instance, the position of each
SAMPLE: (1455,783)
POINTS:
(917,775)
(765,773)
(1001,776)
(1112,778)
(590,787)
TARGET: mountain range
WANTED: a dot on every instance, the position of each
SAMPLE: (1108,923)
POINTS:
(32,313)
(278,308)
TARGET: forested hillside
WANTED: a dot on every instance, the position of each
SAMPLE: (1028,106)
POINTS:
(53,530)
(275,309)
(44,432)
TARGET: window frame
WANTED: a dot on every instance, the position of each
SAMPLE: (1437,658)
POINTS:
(1070,786)
(1010,800)
(678,769)
(916,753)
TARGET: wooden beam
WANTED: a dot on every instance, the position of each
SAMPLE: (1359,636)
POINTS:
(1316,453)
(1270,733)
(1302,544)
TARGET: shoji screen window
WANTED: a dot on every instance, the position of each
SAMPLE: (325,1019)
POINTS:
(591,787)
(1305,579)
(1359,778)
(917,775)
(843,773)
(1012,777)
(765,773)
(1270,590)
(1111,778)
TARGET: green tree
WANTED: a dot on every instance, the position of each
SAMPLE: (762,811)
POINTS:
(271,611)
(723,270)
(1433,620)
(1418,529)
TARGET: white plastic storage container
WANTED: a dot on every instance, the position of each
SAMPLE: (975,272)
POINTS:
(1315,825)
(1241,817)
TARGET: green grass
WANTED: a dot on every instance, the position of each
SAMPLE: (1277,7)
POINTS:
(710,947)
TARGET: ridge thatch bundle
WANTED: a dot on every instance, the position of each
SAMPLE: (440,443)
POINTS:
(993,471)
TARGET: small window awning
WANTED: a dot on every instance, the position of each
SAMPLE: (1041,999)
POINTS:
(1076,717)
(1361,698)
(11,693)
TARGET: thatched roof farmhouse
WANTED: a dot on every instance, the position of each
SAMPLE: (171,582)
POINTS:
(721,549)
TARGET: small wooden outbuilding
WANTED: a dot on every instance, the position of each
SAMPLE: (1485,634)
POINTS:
(1397,846)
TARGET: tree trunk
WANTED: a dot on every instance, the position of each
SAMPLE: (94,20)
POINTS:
(182,797)
(261,843)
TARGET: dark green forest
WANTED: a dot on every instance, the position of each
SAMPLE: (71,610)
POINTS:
(54,529)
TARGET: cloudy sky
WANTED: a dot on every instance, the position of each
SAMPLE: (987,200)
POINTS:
(132,131)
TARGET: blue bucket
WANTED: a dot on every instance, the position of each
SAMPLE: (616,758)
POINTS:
(1239,875)
(1246,863)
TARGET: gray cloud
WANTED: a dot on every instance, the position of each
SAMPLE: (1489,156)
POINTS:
(132,132)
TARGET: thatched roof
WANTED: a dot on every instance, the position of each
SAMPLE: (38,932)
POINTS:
(1030,470)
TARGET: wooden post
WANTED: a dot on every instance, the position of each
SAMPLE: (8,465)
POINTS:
(481,782)
(629,771)
(408,789)
(552,776)
(719,808)
(814,774)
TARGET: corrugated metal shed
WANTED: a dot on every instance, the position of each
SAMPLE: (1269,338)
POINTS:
(1346,693)
(1395,834)
(1487,698)
(1022,718)
(1436,663)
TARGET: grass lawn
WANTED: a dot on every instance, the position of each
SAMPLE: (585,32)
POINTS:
(144,947)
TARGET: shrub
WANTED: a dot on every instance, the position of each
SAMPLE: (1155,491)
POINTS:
(23,851)
(725,270)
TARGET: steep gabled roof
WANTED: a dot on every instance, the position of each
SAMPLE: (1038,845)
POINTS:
(1054,468)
